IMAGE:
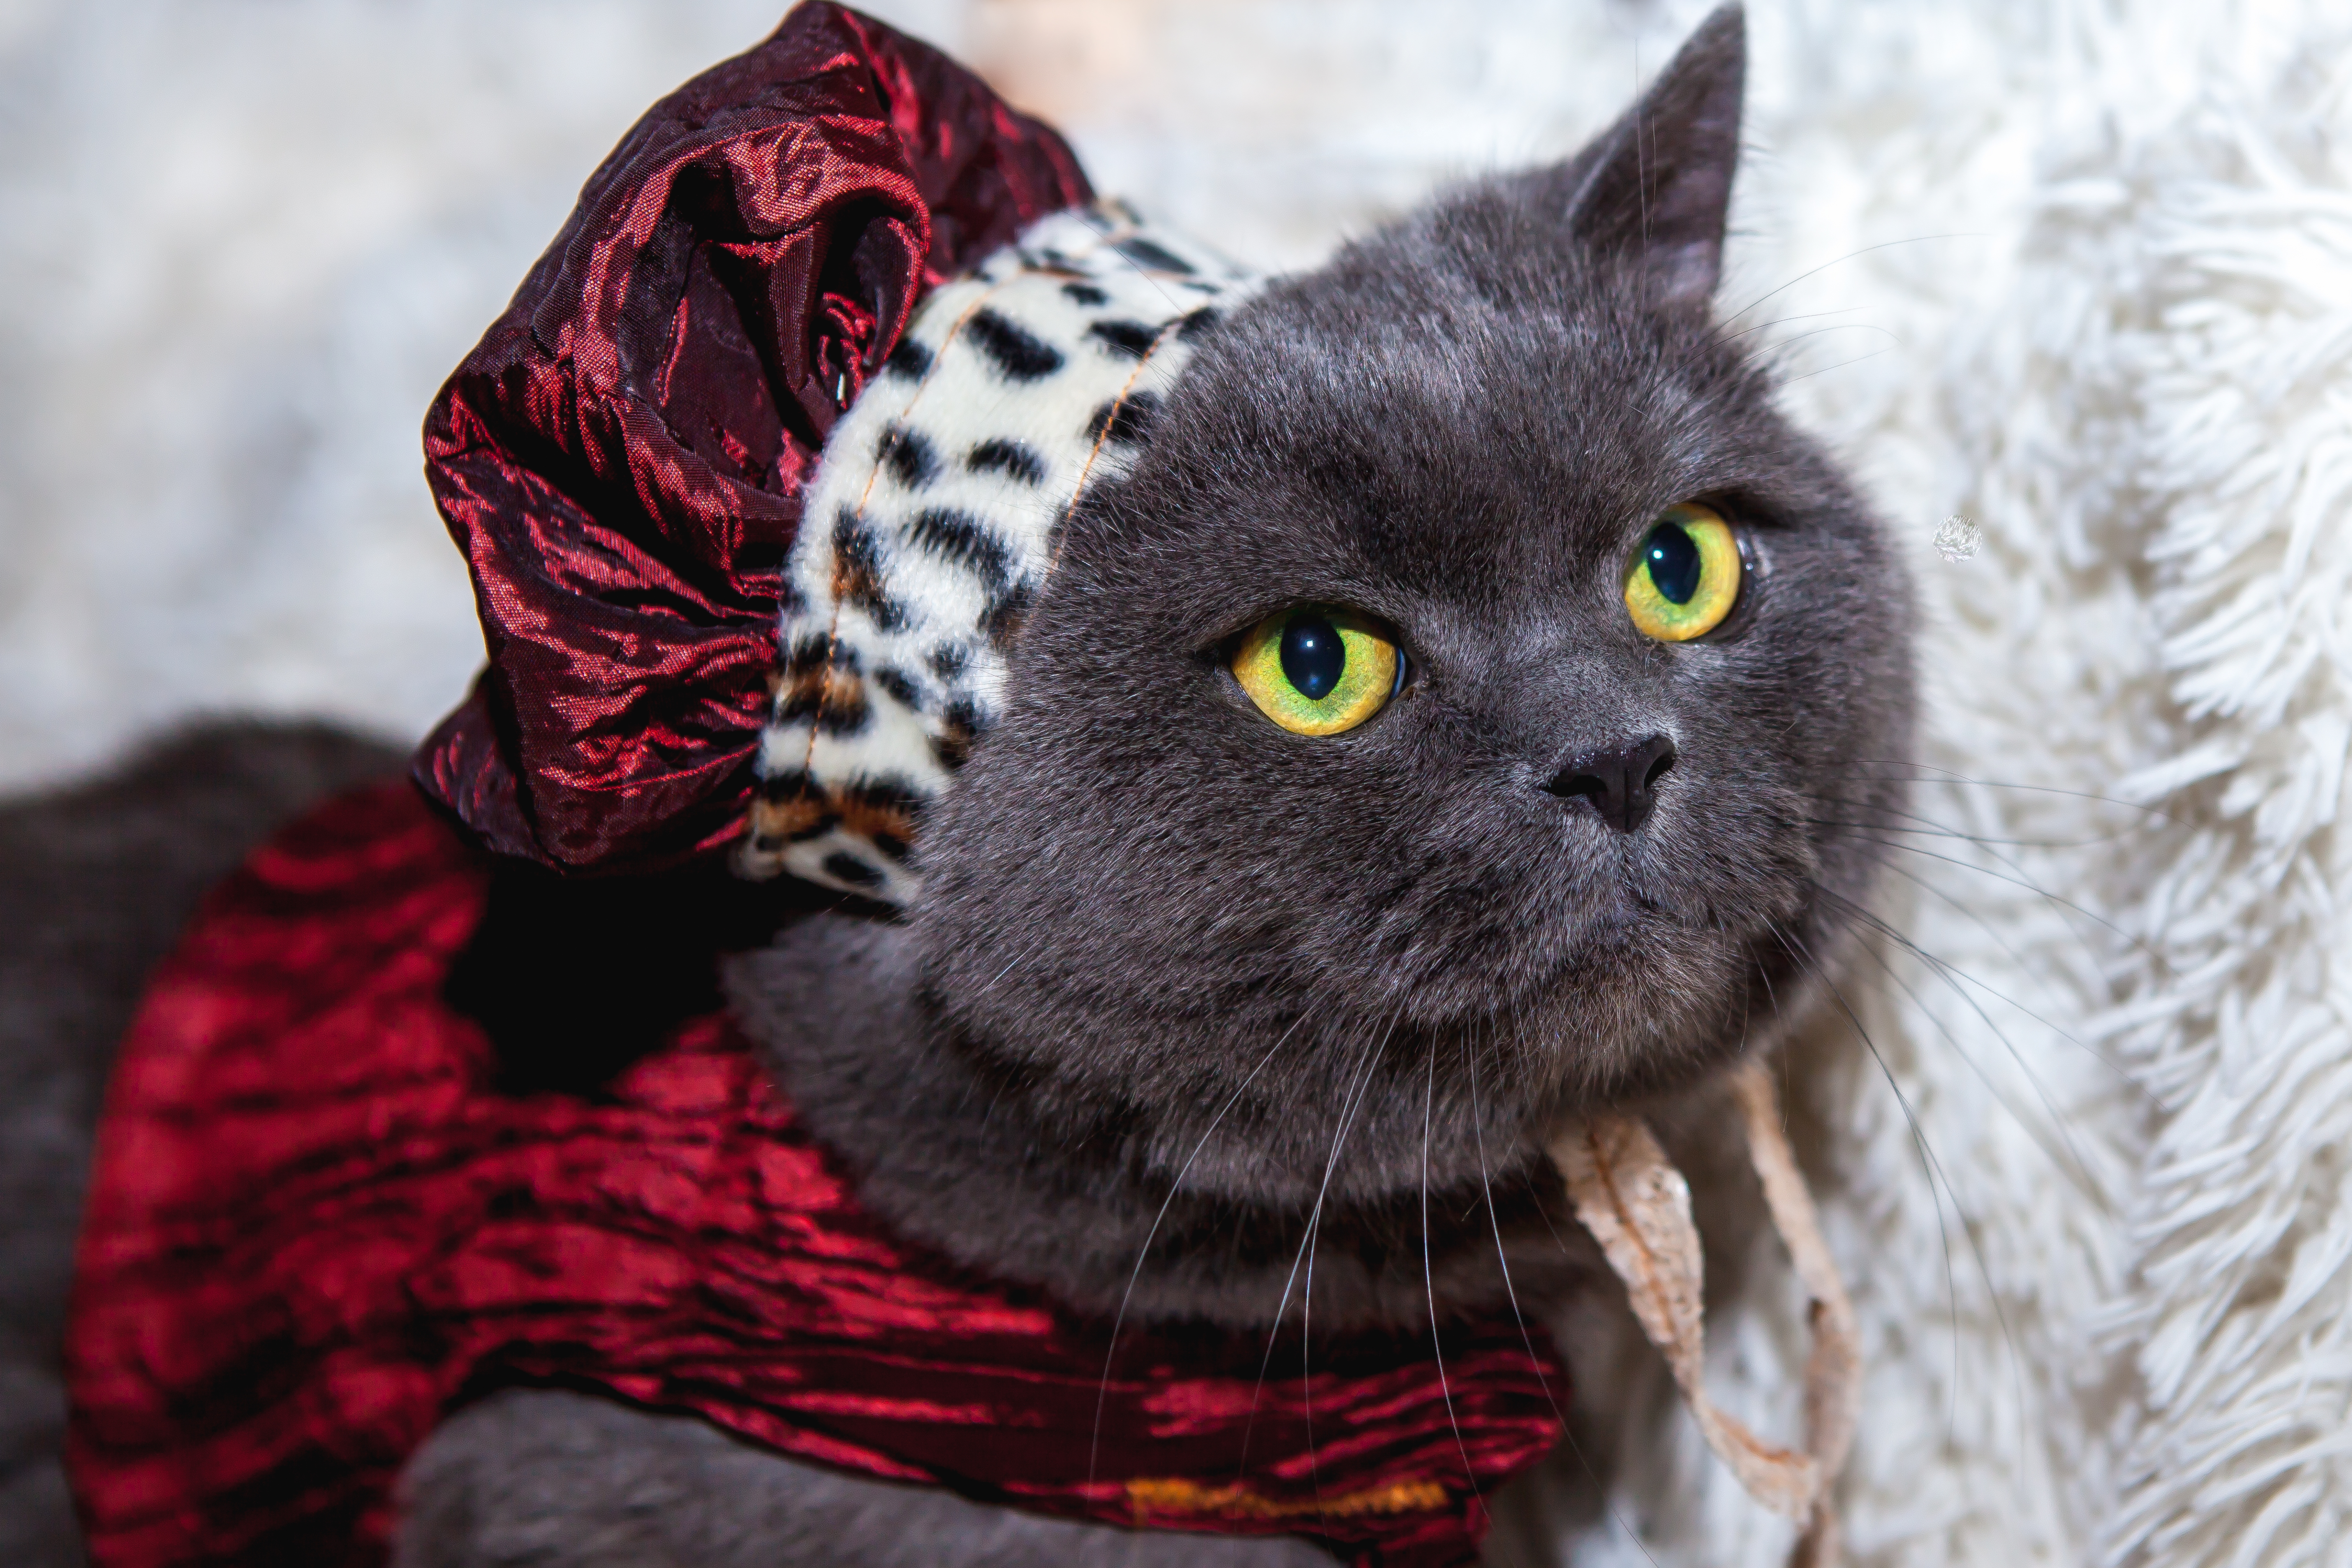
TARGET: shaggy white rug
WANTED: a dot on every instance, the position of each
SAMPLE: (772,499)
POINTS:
(2076,274)
(2135,374)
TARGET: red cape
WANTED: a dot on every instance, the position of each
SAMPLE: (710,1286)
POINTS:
(318,1223)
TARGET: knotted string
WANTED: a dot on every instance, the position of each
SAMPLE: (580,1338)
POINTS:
(1635,1202)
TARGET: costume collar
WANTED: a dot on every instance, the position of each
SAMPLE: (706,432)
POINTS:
(934,518)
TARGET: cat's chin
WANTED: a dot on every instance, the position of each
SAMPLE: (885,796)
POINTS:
(1600,993)
(988,1167)
(1629,1012)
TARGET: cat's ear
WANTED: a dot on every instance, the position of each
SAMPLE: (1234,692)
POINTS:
(1653,188)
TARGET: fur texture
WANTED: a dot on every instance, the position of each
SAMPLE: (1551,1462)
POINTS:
(1462,427)
(1164,939)
(544,1477)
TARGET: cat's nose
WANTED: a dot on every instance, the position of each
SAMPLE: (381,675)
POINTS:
(1620,784)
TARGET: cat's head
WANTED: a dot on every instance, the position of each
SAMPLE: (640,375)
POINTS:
(1574,839)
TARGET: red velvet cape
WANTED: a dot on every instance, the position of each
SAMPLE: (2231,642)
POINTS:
(317,1224)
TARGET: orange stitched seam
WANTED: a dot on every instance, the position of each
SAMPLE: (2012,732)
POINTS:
(1173,1494)
(1086,470)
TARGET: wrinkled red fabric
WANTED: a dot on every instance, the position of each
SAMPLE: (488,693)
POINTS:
(317,1224)
(620,458)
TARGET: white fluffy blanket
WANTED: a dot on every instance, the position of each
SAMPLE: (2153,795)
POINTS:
(2126,1056)
(2077,273)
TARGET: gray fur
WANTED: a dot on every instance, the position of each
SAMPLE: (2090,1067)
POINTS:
(1323,977)
(96,881)
(545,1476)
(1181,987)
(1184,992)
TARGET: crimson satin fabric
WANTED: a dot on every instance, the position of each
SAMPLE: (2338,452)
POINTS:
(316,1225)
(620,458)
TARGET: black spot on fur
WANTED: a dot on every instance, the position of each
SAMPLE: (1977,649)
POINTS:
(833,703)
(1126,421)
(909,359)
(901,687)
(844,867)
(1086,294)
(1016,352)
(1197,322)
(908,456)
(959,726)
(792,785)
(820,681)
(857,572)
(1009,457)
(948,660)
(1151,257)
(1131,339)
(796,785)
(790,601)
(885,793)
(884,811)
(1006,613)
(964,539)
(807,656)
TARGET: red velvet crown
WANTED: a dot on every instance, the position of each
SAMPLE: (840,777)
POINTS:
(622,456)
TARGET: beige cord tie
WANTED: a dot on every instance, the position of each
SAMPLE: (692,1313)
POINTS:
(1638,1207)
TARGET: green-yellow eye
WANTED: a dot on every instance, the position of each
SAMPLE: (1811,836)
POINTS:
(1316,670)
(1685,578)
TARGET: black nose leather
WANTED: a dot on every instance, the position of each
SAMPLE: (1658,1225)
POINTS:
(1620,784)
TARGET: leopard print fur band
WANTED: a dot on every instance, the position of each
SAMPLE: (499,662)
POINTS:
(931,525)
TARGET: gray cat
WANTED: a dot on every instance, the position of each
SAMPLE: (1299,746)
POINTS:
(1580,847)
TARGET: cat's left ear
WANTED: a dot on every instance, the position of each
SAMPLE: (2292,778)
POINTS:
(1655,188)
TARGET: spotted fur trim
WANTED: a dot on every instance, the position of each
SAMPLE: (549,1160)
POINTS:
(932,522)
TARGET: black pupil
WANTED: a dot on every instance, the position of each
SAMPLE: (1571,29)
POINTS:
(1312,656)
(1673,563)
